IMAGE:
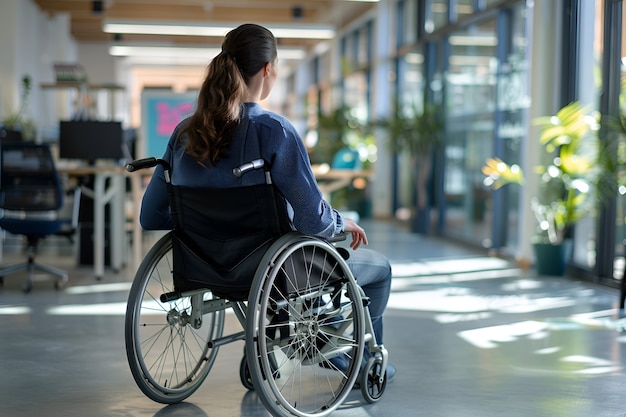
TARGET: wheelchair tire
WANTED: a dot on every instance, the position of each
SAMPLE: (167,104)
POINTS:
(305,319)
(168,357)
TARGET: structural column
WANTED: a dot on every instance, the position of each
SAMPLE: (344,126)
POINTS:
(544,23)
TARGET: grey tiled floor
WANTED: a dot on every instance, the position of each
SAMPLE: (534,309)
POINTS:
(470,335)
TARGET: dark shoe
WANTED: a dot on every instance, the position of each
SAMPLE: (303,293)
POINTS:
(341,363)
(338,363)
(391,372)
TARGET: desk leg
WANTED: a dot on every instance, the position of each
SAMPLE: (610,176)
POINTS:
(99,203)
(118,222)
(136,186)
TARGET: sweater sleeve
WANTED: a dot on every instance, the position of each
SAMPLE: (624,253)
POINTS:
(292,175)
(155,210)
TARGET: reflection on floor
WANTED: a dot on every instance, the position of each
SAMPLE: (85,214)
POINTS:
(471,336)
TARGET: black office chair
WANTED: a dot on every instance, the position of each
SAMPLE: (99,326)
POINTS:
(32,199)
(10,135)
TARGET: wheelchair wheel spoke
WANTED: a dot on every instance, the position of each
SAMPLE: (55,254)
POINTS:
(169,359)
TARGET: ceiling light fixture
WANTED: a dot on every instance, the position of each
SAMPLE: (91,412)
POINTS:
(191,53)
(299,31)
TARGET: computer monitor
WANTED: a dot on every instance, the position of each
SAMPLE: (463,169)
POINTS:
(91,140)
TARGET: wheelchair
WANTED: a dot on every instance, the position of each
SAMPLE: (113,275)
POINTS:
(297,301)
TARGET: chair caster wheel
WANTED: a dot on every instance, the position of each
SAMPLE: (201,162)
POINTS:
(244,374)
(27,287)
(60,284)
(373,380)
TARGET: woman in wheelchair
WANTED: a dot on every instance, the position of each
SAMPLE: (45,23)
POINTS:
(229,128)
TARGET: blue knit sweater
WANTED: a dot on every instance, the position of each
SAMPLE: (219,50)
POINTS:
(261,134)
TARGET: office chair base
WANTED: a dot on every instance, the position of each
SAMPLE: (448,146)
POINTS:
(31,267)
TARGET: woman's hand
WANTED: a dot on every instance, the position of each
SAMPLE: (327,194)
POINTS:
(358,234)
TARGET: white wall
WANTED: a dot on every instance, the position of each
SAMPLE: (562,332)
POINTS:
(30,42)
(9,86)
(99,66)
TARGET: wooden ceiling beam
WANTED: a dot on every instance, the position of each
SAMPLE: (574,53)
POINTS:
(87,26)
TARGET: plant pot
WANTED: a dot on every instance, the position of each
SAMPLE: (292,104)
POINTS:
(552,259)
(10,135)
(420,223)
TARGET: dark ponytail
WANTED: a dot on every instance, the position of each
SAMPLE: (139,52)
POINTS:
(245,51)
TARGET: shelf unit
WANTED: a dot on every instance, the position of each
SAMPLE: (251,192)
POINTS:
(75,99)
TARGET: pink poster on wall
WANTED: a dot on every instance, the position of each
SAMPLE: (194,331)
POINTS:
(162,110)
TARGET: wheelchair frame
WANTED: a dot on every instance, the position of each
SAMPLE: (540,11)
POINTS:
(304,308)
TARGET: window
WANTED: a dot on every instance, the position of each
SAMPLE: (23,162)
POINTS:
(437,14)
(410,96)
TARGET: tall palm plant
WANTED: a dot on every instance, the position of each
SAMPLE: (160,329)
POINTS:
(419,134)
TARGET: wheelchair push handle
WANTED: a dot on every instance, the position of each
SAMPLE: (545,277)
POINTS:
(256,164)
(144,163)
(151,162)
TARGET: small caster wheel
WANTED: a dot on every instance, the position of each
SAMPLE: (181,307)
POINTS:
(27,287)
(59,284)
(244,374)
(373,380)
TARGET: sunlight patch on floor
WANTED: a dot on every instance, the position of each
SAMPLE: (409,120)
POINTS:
(14,310)
(99,288)
(447,266)
(104,309)
(459,300)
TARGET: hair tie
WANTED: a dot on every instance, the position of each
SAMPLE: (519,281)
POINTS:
(227,52)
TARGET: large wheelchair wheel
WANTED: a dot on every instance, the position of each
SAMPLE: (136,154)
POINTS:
(168,352)
(304,328)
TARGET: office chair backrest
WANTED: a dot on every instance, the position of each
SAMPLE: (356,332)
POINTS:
(29,180)
(9,135)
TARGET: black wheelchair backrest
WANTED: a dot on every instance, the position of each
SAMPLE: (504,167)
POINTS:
(220,234)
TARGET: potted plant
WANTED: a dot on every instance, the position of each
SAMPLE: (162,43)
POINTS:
(418,134)
(339,130)
(345,142)
(19,121)
(568,174)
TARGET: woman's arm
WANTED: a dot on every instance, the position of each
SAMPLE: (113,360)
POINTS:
(155,209)
(292,175)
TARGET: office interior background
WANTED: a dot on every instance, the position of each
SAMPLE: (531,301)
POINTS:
(489,67)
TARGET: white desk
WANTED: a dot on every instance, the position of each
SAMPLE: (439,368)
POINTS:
(330,180)
(110,189)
